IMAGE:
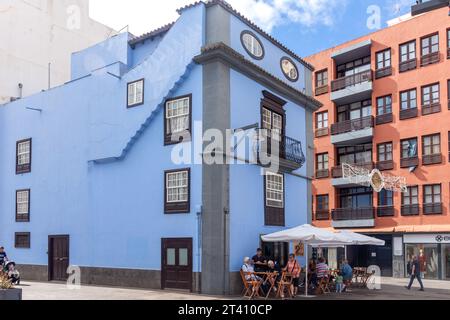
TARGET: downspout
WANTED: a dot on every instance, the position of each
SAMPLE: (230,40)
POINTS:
(199,248)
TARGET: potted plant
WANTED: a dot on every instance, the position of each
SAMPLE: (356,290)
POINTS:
(7,290)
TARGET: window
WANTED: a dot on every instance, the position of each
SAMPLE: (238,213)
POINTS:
(356,198)
(273,122)
(448,43)
(252,45)
(432,194)
(177,191)
(22,240)
(430,99)
(274,190)
(432,199)
(356,110)
(276,251)
(322,120)
(430,44)
(322,203)
(289,69)
(321,78)
(353,67)
(135,93)
(274,199)
(384,105)
(411,196)
(431,144)
(408,56)
(408,104)
(322,161)
(409,148)
(408,99)
(361,154)
(23,156)
(177,124)
(385,151)
(23,205)
(322,207)
(410,201)
(430,49)
(383,63)
(386,198)
(431,149)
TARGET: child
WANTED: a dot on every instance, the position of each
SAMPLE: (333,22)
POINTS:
(339,283)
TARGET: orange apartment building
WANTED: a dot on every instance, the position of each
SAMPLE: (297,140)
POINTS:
(386,105)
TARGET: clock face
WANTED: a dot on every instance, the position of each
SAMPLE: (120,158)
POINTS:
(289,69)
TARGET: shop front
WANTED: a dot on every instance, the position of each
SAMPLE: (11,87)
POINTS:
(433,252)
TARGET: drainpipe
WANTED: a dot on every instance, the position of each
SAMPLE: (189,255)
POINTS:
(199,248)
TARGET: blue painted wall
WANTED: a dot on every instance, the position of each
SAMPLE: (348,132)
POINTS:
(97,167)
(247,182)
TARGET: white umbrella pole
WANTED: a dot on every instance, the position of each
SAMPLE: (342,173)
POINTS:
(306,273)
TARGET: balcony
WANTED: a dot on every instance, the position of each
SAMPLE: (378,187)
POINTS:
(383,72)
(429,59)
(385,211)
(431,159)
(353,217)
(352,88)
(431,108)
(385,165)
(339,181)
(322,174)
(409,113)
(409,162)
(353,131)
(321,90)
(322,132)
(322,215)
(290,155)
(384,118)
(432,208)
(410,210)
(407,65)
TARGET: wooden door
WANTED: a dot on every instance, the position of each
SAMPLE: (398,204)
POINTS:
(176,260)
(58,256)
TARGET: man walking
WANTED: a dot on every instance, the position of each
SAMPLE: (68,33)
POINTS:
(415,273)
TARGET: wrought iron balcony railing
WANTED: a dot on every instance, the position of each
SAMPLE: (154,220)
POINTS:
(288,148)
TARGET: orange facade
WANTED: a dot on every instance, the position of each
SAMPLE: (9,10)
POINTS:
(427,67)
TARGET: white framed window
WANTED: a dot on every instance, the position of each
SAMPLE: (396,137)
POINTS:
(136,93)
(274,190)
(23,152)
(178,115)
(289,69)
(252,45)
(177,184)
(23,202)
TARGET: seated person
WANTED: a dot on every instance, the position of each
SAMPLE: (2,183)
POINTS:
(312,273)
(293,268)
(260,261)
(274,268)
(347,273)
(321,269)
(249,270)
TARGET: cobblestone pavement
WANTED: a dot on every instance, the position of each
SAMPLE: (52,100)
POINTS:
(391,289)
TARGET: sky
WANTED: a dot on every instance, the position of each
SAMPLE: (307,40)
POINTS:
(305,26)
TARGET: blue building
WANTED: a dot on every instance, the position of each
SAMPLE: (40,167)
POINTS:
(120,170)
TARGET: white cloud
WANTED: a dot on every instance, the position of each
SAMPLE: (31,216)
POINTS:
(144,15)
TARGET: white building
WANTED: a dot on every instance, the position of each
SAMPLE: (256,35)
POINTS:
(37,38)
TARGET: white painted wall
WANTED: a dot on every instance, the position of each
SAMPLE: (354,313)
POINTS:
(34,33)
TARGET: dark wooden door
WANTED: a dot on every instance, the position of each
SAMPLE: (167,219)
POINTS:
(58,256)
(176,260)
